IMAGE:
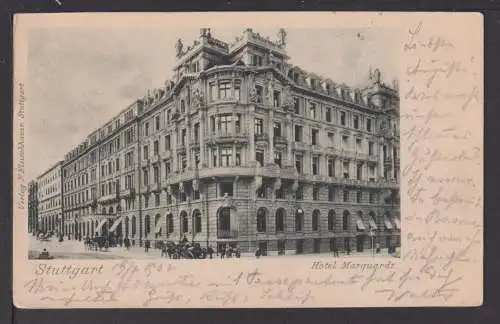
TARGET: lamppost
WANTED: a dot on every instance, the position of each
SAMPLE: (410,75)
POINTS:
(372,237)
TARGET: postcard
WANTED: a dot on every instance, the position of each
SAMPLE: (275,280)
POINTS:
(248,160)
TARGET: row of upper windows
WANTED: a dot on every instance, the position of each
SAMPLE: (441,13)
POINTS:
(48,178)
(51,203)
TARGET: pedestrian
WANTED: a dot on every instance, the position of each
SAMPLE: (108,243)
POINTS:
(258,253)
(222,252)
(377,248)
(237,252)
(210,251)
(147,245)
(127,243)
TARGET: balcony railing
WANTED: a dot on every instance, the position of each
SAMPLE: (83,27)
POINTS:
(388,160)
(261,137)
(228,137)
(280,140)
(155,158)
(227,234)
(127,192)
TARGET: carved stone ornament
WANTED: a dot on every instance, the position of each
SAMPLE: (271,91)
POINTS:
(258,182)
(197,98)
(295,186)
(181,186)
(178,48)
(253,95)
(196,185)
(277,184)
(288,102)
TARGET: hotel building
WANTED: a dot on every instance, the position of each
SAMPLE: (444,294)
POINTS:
(242,148)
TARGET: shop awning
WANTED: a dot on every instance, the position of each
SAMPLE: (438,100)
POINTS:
(373,225)
(115,225)
(397,222)
(360,224)
(388,224)
(101,224)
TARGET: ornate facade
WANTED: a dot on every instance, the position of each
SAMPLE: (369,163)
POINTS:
(242,148)
(33,207)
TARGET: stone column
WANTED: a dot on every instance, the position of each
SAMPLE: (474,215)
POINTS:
(175,165)
(381,160)
(251,131)
(189,138)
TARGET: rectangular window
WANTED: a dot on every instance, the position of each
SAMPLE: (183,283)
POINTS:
(183,137)
(370,148)
(237,162)
(315,137)
(156,147)
(145,152)
(167,169)
(315,165)
(277,129)
(359,147)
(225,124)
(356,122)
(156,175)
(346,170)
(372,173)
(259,91)
(331,193)
(298,133)
(296,105)
(299,194)
(331,167)
(226,188)
(345,142)
(259,126)
(280,193)
(359,171)
(237,91)
(146,129)
(373,199)
(117,164)
(157,122)
(145,177)
(277,158)
(277,99)
(226,157)
(312,110)
(157,200)
(368,125)
(261,192)
(213,92)
(167,142)
(315,193)
(346,195)
(298,163)
(224,90)
(329,114)
(259,156)
(342,118)
(359,197)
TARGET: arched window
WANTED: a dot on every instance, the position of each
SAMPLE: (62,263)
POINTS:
(261,219)
(331,220)
(315,220)
(184,222)
(299,220)
(280,220)
(104,210)
(126,226)
(111,210)
(147,225)
(197,221)
(134,226)
(345,221)
(224,219)
(170,223)
(157,219)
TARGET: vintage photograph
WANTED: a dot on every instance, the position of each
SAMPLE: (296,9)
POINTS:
(212,143)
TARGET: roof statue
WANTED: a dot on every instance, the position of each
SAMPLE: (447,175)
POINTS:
(282,36)
(376,76)
(178,48)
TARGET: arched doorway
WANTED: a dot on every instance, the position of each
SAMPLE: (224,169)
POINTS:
(196,221)
(316,220)
(346,220)
(134,226)
(147,226)
(126,221)
(331,220)
(280,220)
(299,219)
(184,222)
(224,223)
(170,223)
(261,219)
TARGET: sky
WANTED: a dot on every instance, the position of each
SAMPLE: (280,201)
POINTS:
(79,78)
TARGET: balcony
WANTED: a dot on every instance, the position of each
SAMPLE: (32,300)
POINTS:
(226,171)
(301,146)
(227,234)
(188,175)
(389,184)
(228,137)
(172,177)
(155,158)
(181,148)
(372,158)
(156,186)
(125,193)
(280,140)
(260,137)
(165,155)
(107,198)
(145,188)
(388,161)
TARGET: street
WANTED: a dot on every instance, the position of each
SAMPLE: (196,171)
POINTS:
(76,250)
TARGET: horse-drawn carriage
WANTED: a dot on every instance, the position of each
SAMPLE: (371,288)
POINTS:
(183,250)
(98,243)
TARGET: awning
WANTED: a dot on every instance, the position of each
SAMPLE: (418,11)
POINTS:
(360,224)
(397,222)
(388,224)
(101,224)
(373,225)
(116,224)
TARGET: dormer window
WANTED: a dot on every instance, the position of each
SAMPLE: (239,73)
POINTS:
(313,83)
